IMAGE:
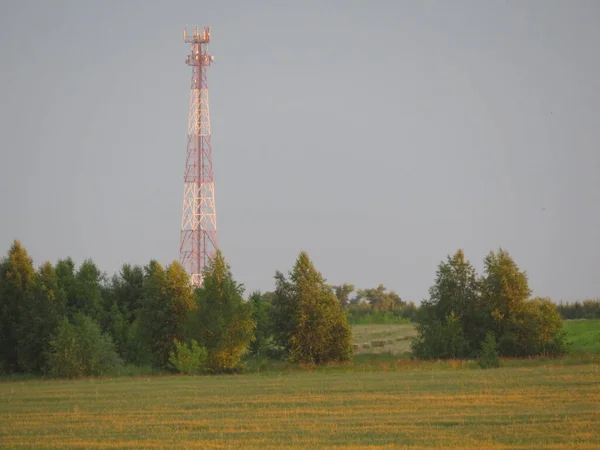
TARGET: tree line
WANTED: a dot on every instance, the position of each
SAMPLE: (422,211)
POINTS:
(587,309)
(68,321)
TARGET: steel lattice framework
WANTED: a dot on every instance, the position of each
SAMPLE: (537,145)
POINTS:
(199,218)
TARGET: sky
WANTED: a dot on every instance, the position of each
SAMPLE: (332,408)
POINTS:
(379,136)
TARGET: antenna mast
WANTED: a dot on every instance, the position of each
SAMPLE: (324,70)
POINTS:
(198,241)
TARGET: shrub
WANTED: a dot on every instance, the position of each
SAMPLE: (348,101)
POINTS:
(81,349)
(488,356)
(188,359)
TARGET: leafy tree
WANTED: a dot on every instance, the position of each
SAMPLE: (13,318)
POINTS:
(81,349)
(440,339)
(261,315)
(495,303)
(123,299)
(82,288)
(310,324)
(342,292)
(551,338)
(45,310)
(505,289)
(167,302)
(135,346)
(380,299)
(17,277)
(116,324)
(127,289)
(222,322)
(456,291)
(268,297)
(65,275)
(535,328)
(410,311)
(85,295)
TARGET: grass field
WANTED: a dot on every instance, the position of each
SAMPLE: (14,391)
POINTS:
(584,335)
(544,406)
(382,400)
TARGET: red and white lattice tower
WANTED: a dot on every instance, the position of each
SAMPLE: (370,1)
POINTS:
(199,218)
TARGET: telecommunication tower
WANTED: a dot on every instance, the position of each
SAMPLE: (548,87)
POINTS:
(198,240)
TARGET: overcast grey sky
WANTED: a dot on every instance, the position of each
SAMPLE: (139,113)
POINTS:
(378,136)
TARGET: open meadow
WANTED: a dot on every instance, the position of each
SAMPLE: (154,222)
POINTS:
(389,402)
(542,406)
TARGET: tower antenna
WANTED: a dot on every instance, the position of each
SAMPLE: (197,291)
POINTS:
(198,241)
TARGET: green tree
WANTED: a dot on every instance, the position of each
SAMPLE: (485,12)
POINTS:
(45,310)
(380,299)
(17,277)
(310,324)
(440,339)
(457,291)
(222,322)
(167,302)
(123,298)
(343,292)
(65,275)
(522,327)
(135,346)
(495,303)
(127,289)
(263,331)
(535,328)
(85,295)
(82,288)
(80,349)
(117,325)
(505,288)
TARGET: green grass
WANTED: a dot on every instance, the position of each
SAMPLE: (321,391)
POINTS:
(584,335)
(516,407)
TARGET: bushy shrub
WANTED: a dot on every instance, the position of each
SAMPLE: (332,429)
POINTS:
(81,349)
(188,359)
(488,356)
